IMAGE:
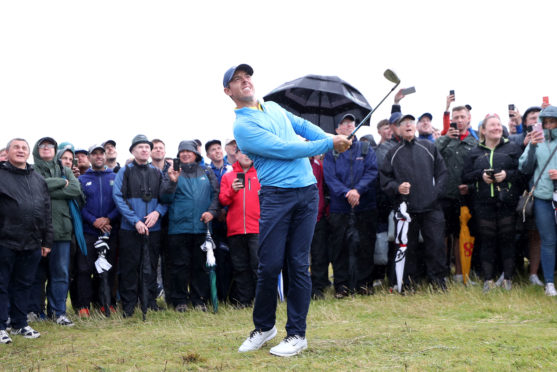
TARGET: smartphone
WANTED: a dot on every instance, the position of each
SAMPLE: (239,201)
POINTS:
(74,163)
(529,128)
(176,164)
(408,91)
(538,128)
(511,107)
(451,92)
(546,100)
(453,125)
(242,177)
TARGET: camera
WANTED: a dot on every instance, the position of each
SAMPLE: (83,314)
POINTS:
(176,164)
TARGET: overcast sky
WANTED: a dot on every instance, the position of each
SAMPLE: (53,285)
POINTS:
(85,72)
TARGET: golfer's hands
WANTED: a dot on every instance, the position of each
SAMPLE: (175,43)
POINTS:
(237,185)
(206,217)
(353,197)
(173,175)
(341,143)
(151,219)
(500,177)
(404,188)
(45,251)
(141,228)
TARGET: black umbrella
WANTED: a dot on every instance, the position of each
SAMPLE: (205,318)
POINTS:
(103,267)
(323,100)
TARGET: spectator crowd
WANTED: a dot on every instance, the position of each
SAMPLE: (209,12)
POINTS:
(152,214)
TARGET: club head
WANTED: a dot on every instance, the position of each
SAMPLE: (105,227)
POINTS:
(391,76)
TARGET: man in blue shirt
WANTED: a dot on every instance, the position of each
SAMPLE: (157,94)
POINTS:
(289,199)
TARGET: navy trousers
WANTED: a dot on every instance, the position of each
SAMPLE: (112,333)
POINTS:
(286,226)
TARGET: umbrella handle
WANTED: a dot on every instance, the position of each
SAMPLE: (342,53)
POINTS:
(371,112)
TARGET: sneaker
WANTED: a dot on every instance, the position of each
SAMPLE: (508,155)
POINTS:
(9,324)
(26,332)
(550,290)
(4,337)
(507,285)
(84,313)
(378,283)
(458,278)
(33,317)
(64,321)
(488,286)
(111,308)
(499,281)
(256,339)
(182,308)
(535,280)
(291,345)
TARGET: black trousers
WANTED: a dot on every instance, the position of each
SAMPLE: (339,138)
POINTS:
(320,257)
(432,225)
(243,255)
(86,275)
(130,266)
(189,278)
(496,226)
(344,250)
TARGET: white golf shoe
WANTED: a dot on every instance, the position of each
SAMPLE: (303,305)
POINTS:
(535,280)
(290,346)
(256,339)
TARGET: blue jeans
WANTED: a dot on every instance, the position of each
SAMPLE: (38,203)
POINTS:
(545,221)
(17,271)
(55,268)
(286,226)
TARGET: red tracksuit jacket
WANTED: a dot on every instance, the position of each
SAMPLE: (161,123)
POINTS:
(243,206)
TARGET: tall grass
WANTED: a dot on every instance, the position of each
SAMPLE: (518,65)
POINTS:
(461,330)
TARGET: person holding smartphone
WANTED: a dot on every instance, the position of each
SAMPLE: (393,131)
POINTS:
(537,154)
(454,147)
(239,192)
(492,167)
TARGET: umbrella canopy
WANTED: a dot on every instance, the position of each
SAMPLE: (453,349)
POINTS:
(323,100)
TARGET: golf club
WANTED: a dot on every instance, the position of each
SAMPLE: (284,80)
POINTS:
(391,76)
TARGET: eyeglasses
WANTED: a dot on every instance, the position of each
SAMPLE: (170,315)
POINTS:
(46,146)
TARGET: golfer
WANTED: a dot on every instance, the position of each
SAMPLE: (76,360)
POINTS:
(289,199)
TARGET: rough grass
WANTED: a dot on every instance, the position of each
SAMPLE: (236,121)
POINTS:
(461,330)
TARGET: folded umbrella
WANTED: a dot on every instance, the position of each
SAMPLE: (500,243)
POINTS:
(402,223)
(209,246)
(144,275)
(77,226)
(465,243)
(103,266)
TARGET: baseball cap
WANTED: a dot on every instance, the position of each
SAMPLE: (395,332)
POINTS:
(232,70)
(425,115)
(96,147)
(394,117)
(82,151)
(211,143)
(404,117)
(112,142)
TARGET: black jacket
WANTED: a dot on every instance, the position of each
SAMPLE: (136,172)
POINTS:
(419,163)
(25,216)
(504,157)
